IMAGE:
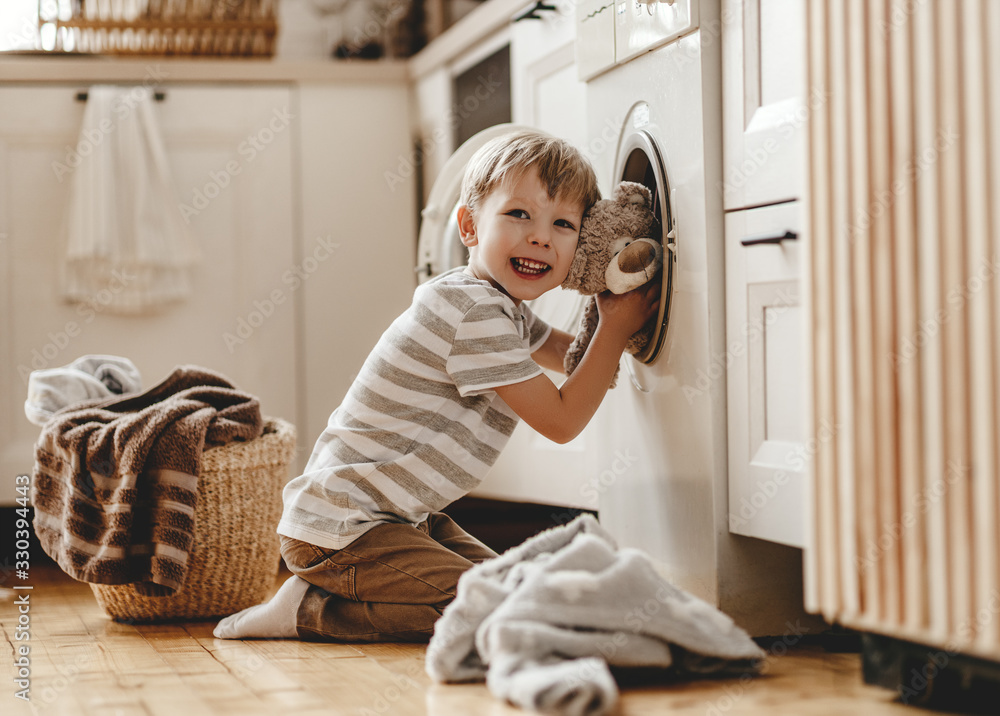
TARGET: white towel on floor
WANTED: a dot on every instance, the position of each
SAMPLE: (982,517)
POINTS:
(543,621)
(128,248)
(93,376)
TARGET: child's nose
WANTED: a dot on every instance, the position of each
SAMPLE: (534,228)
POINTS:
(538,238)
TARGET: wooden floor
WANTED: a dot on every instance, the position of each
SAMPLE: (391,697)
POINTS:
(81,662)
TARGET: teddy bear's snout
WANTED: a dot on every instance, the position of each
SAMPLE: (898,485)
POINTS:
(636,257)
(633,265)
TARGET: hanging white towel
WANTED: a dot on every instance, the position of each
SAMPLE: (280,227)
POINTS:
(128,248)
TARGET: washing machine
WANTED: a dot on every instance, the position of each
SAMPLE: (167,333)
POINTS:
(654,114)
(531,468)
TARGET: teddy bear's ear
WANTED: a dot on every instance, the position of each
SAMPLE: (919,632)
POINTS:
(630,192)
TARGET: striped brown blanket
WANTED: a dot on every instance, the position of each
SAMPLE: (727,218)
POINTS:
(115,480)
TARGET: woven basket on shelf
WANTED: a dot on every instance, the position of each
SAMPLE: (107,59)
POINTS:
(235,558)
(223,28)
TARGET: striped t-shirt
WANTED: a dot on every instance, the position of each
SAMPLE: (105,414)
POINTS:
(421,425)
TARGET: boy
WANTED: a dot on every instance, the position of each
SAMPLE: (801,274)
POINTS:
(435,403)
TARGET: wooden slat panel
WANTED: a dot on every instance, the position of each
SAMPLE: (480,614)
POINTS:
(839,177)
(952,237)
(858,295)
(929,337)
(980,269)
(991,30)
(822,556)
(906,357)
(905,343)
(880,199)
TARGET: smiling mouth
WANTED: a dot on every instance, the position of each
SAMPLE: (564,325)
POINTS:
(529,267)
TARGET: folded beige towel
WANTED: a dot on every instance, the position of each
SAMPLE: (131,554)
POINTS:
(115,480)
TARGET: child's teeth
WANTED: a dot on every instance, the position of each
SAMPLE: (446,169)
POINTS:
(529,266)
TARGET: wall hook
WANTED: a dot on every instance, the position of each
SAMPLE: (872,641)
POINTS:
(158,96)
(532,14)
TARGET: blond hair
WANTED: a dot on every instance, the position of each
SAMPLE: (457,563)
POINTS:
(562,169)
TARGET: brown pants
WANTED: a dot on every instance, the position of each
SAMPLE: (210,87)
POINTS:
(390,584)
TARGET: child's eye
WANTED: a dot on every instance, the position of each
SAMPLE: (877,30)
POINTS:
(518,213)
(565,224)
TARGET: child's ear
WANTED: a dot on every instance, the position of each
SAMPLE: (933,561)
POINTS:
(467,226)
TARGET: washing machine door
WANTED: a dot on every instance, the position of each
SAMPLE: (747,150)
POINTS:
(440,248)
(638,159)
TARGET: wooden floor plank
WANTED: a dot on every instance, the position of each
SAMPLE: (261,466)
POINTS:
(181,653)
(363,686)
(292,649)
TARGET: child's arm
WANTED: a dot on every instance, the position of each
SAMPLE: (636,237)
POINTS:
(560,414)
(552,353)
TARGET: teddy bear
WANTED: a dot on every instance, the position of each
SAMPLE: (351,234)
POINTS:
(618,250)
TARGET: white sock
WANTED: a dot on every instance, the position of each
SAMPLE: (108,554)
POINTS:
(273,619)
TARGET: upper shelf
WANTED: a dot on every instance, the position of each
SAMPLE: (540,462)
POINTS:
(57,67)
(46,67)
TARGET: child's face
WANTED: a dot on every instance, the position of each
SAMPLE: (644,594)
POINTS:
(521,240)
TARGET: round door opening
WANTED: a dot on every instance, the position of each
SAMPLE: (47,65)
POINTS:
(639,160)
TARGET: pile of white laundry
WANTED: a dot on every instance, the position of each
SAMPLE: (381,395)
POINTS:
(543,622)
(86,378)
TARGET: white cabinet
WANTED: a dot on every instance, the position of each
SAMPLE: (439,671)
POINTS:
(441,108)
(545,90)
(764,122)
(433,129)
(305,225)
(764,108)
(357,243)
(230,151)
(767,443)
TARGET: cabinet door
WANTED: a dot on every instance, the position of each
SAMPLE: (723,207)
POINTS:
(767,439)
(764,108)
(549,97)
(230,155)
(358,241)
(431,93)
(545,91)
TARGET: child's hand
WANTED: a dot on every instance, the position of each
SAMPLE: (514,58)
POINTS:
(560,413)
(628,312)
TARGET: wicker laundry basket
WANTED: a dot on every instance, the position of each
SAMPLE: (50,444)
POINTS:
(234,562)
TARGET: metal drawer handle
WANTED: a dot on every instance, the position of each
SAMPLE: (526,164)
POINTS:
(770,239)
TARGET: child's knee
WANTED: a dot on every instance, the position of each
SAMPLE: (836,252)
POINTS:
(443,604)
